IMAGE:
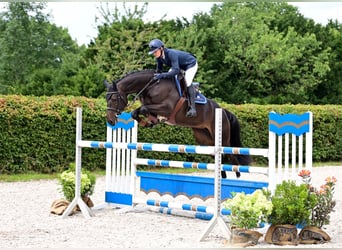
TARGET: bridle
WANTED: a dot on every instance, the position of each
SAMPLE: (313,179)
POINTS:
(120,100)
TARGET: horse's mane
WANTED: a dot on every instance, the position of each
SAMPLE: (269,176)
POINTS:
(134,72)
(141,71)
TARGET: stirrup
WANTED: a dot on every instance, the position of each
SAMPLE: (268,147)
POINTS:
(191,113)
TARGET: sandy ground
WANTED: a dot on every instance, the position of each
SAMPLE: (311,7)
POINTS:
(26,222)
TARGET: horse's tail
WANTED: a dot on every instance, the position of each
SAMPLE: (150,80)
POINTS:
(235,140)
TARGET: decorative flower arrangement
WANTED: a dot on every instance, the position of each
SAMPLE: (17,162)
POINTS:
(67,182)
(320,213)
(248,211)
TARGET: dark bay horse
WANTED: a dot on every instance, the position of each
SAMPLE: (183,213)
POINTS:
(162,102)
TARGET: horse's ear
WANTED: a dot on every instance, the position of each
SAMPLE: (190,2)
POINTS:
(108,85)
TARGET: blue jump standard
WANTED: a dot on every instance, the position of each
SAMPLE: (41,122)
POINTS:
(190,186)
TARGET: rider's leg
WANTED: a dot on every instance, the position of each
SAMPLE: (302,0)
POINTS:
(189,76)
(192,109)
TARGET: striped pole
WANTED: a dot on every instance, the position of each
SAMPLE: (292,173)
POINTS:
(179,206)
(200,165)
(184,213)
(174,148)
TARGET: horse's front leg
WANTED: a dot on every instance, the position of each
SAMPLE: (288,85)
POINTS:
(151,117)
(143,117)
(144,111)
(135,114)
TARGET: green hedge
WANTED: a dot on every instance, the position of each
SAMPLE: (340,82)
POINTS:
(38,133)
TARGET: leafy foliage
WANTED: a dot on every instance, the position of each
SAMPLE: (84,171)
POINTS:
(320,213)
(249,210)
(253,52)
(67,183)
(292,204)
(38,133)
(32,51)
(260,64)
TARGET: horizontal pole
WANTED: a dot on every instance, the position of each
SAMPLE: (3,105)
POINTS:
(183,213)
(208,150)
(180,206)
(200,165)
(193,149)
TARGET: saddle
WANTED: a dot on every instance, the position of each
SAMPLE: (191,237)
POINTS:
(181,87)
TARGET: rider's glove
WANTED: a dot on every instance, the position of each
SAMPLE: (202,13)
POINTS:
(157,77)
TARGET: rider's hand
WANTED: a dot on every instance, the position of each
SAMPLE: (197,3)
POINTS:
(157,76)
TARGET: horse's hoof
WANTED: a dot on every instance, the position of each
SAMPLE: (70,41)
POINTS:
(135,115)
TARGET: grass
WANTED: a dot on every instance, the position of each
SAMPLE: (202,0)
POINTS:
(38,176)
(26,177)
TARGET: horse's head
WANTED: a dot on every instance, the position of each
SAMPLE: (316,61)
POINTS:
(115,103)
(133,82)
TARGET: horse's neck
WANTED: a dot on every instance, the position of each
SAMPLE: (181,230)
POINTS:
(132,85)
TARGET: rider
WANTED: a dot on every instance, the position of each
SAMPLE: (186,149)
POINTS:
(177,60)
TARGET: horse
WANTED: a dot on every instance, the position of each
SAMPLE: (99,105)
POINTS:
(164,101)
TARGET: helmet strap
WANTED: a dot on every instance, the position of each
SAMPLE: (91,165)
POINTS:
(162,55)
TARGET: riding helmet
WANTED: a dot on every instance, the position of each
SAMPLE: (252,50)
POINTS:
(154,45)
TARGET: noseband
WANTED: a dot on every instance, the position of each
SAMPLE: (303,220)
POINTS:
(118,100)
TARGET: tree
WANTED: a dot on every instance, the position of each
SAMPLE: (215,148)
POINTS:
(121,43)
(252,62)
(31,49)
(329,91)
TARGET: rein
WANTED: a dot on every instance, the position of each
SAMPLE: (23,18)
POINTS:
(142,90)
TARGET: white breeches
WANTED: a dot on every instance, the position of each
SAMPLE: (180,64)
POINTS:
(190,74)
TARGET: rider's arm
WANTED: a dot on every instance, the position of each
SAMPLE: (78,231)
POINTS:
(159,68)
(175,69)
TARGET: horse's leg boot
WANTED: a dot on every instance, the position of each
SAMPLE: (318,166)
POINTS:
(192,109)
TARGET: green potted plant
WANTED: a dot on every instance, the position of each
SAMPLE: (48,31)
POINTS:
(248,212)
(67,183)
(292,206)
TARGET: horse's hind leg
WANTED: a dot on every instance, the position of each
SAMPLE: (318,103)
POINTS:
(231,159)
(236,140)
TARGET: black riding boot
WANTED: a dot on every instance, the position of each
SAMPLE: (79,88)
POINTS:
(192,106)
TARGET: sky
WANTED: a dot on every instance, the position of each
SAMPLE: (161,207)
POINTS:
(79,17)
